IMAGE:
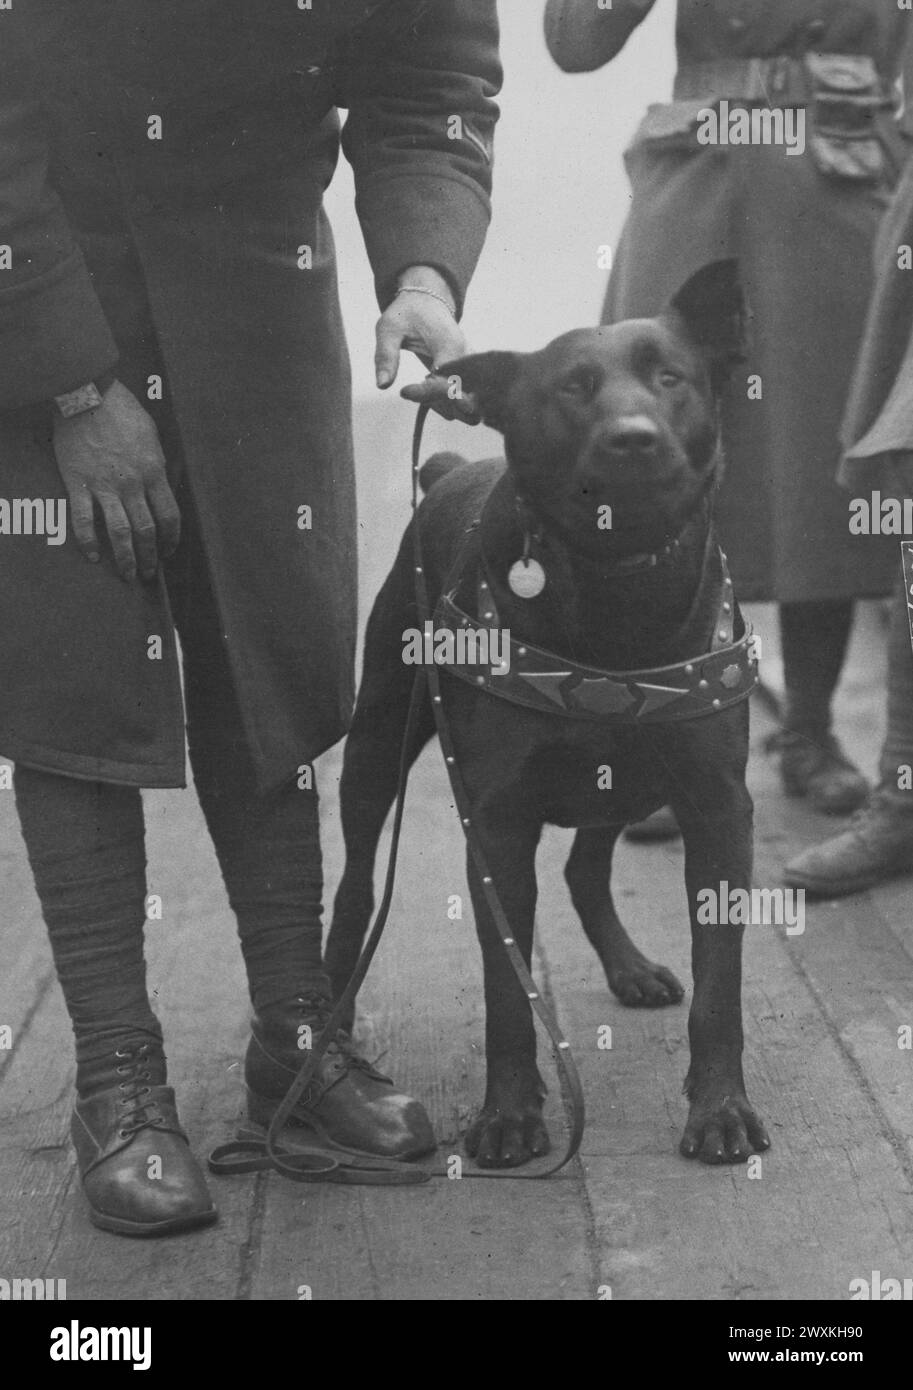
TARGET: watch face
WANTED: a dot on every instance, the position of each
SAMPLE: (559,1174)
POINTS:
(79,401)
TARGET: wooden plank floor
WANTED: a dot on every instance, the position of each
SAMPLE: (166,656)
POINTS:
(832,1202)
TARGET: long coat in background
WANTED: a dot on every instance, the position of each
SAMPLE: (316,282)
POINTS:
(202,256)
(804,239)
(878,425)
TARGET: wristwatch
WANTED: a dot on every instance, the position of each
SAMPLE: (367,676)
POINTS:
(88,397)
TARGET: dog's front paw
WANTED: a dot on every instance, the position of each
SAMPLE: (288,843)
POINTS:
(640,984)
(506,1137)
(723,1130)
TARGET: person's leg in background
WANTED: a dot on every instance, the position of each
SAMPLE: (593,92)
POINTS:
(879,842)
(268,847)
(814,637)
(85,843)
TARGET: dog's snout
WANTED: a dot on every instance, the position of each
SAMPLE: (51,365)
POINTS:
(621,445)
(631,434)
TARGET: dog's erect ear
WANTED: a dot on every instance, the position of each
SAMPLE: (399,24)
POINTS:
(487,377)
(711,306)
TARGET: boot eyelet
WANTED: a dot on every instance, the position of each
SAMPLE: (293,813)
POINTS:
(123,1133)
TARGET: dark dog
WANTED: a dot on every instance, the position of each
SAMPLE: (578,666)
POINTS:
(614,426)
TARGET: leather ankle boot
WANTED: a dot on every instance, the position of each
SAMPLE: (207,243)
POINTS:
(348,1100)
(138,1173)
(876,846)
(817,768)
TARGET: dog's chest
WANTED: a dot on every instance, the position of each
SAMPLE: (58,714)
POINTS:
(518,763)
(598,778)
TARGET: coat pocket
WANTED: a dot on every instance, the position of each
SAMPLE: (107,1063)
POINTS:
(851,125)
(668,126)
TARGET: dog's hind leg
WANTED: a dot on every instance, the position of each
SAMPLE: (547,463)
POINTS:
(370,773)
(633,979)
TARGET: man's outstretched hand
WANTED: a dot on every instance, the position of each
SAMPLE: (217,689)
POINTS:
(422,321)
(111,459)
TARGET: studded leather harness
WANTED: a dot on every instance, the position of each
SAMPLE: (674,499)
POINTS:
(539,679)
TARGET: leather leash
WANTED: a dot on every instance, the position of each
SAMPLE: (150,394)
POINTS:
(331,1162)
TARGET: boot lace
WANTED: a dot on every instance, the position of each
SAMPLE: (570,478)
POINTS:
(138,1110)
(882,806)
(315,1008)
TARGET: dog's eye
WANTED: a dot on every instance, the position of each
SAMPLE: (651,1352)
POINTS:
(580,384)
(670,378)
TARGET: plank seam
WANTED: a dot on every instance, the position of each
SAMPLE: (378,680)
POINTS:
(44,985)
(889,1133)
(250,1251)
(576,1166)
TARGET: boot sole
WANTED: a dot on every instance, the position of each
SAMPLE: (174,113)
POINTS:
(120,1226)
(842,808)
(827,888)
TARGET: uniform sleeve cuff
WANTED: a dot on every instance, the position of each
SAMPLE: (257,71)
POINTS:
(54,337)
(431,219)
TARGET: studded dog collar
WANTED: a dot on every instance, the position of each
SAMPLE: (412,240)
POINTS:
(539,679)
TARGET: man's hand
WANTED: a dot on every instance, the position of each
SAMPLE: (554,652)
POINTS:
(111,457)
(422,319)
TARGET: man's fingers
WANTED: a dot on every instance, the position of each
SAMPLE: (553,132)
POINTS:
(450,344)
(386,358)
(82,522)
(425,391)
(120,534)
(166,513)
(439,393)
(144,534)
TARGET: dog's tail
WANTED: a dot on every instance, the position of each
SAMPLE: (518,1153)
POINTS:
(435,468)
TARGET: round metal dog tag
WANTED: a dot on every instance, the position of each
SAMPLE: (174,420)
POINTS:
(526,578)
